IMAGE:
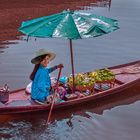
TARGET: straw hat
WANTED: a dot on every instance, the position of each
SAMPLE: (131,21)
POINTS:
(41,52)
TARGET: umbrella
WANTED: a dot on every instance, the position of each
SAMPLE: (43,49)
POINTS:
(70,25)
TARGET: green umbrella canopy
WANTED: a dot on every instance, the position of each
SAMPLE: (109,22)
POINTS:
(69,25)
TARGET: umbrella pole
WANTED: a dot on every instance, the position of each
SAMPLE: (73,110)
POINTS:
(72,66)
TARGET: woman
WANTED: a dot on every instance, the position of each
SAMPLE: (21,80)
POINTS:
(41,82)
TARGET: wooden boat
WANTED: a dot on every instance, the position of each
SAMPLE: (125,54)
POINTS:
(127,76)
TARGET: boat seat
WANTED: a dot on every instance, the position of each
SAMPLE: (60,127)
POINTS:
(1,104)
(19,103)
(118,81)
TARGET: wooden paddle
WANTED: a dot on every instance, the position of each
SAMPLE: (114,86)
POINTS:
(55,93)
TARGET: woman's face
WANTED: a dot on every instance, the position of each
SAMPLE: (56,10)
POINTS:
(45,61)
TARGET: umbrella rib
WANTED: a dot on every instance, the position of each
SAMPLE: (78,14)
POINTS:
(76,27)
(94,26)
(69,30)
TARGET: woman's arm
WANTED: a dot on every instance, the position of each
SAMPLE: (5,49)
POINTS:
(52,69)
(55,67)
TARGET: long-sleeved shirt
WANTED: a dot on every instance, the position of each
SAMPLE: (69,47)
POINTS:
(42,83)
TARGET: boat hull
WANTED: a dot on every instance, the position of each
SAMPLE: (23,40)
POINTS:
(126,83)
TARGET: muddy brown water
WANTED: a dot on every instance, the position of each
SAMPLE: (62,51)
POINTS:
(111,119)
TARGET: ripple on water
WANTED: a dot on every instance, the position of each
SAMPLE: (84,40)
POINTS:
(120,122)
(117,123)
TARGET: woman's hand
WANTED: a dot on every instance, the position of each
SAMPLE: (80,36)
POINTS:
(50,98)
(60,66)
(54,87)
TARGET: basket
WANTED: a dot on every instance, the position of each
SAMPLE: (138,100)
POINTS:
(104,85)
(4,94)
(82,88)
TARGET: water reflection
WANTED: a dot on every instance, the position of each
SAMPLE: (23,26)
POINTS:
(11,22)
(17,58)
(100,3)
(86,121)
(114,118)
(89,126)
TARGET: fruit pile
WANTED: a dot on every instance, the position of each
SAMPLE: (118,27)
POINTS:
(104,75)
(81,80)
(87,80)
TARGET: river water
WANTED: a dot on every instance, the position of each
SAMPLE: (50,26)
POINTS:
(110,122)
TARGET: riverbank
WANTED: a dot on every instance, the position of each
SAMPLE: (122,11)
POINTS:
(13,12)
